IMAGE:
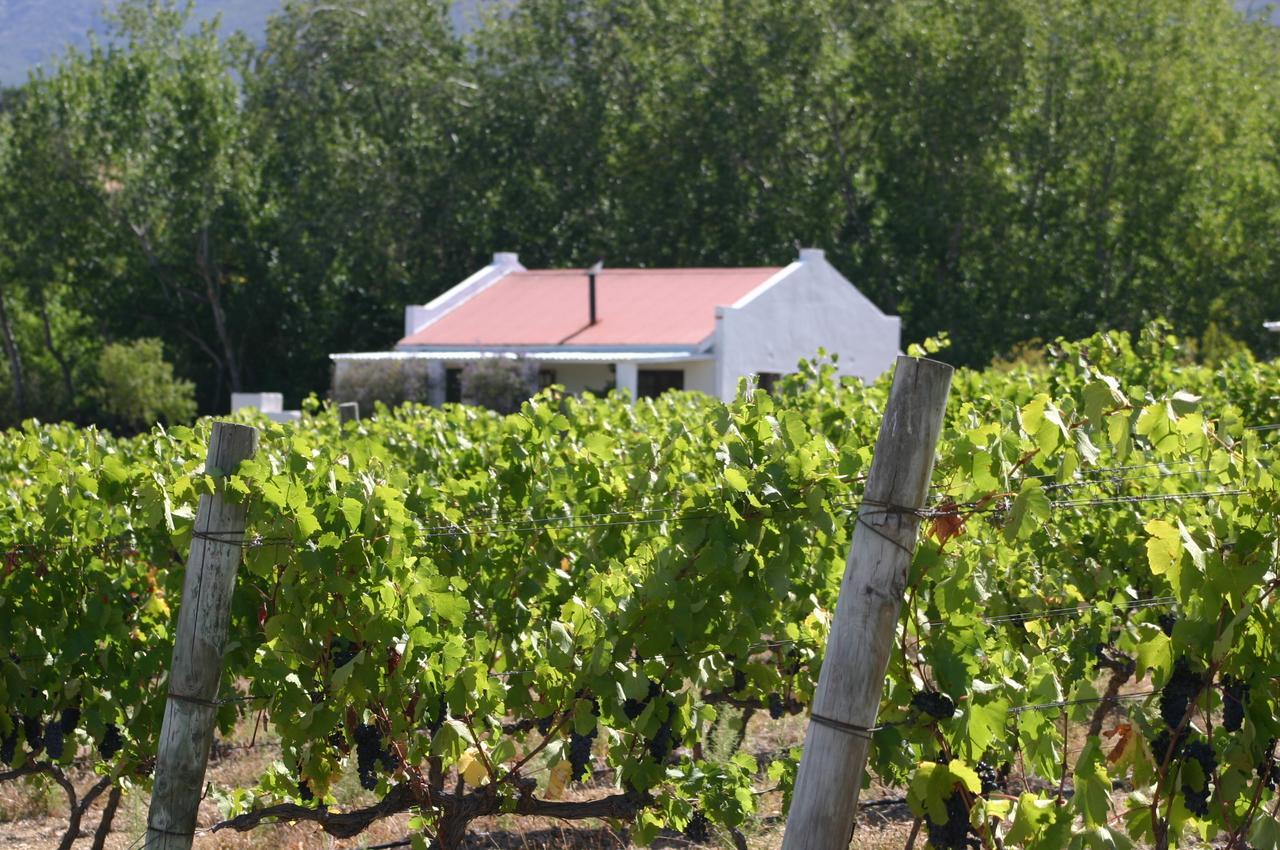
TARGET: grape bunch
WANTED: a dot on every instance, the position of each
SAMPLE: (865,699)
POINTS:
(953,834)
(991,780)
(1166,623)
(739,683)
(304,791)
(1176,696)
(937,705)
(633,708)
(439,716)
(776,706)
(1235,693)
(1160,745)
(70,719)
(9,743)
(1268,770)
(580,753)
(1198,799)
(698,830)
(111,742)
(54,740)
(370,750)
(545,723)
(344,652)
(661,745)
(33,731)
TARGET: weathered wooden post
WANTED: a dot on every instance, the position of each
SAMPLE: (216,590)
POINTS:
(862,634)
(203,618)
(349,411)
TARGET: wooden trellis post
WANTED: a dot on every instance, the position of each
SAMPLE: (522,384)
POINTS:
(203,619)
(862,633)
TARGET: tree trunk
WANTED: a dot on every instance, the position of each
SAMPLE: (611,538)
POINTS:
(214,296)
(67,384)
(108,817)
(15,360)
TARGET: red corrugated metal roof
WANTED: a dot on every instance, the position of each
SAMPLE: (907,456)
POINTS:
(633,307)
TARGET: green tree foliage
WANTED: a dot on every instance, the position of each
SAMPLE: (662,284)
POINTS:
(1003,171)
(136,386)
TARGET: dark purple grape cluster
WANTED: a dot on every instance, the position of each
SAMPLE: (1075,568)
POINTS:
(304,791)
(952,835)
(777,707)
(937,705)
(739,681)
(1167,622)
(1235,694)
(70,719)
(580,753)
(1160,745)
(698,830)
(54,740)
(370,750)
(662,743)
(33,731)
(112,742)
(344,652)
(1182,687)
(439,716)
(633,708)
(1268,770)
(990,779)
(1198,798)
(9,743)
(545,724)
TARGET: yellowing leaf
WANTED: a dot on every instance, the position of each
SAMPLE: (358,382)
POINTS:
(559,776)
(471,768)
(1164,551)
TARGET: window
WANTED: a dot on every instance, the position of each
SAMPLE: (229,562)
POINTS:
(453,385)
(546,377)
(651,383)
(767,381)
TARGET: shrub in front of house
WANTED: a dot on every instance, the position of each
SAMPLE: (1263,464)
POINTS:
(498,383)
(392,382)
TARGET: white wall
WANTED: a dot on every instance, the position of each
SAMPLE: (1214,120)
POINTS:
(580,377)
(811,307)
(700,375)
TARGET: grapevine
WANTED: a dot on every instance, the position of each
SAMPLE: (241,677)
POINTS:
(451,604)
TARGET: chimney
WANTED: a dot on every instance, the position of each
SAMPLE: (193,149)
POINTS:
(502,259)
(591,289)
(812,255)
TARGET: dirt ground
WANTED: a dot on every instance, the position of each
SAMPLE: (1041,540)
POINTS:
(34,818)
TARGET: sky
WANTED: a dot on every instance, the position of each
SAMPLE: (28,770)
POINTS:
(33,32)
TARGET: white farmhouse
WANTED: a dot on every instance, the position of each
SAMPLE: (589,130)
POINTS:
(645,330)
